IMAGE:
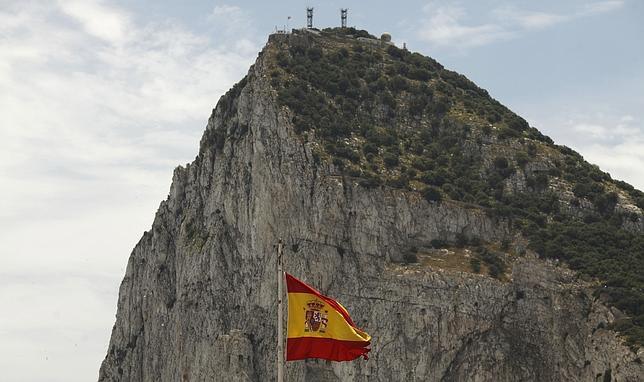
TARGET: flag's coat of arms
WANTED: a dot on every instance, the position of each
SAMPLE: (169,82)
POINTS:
(316,320)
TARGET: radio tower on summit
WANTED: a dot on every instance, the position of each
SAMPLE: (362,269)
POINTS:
(309,17)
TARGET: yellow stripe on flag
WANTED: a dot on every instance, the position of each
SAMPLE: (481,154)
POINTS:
(333,324)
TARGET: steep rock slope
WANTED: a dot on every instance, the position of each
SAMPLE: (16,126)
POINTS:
(198,298)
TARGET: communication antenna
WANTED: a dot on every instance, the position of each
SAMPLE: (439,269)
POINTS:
(343,17)
(309,17)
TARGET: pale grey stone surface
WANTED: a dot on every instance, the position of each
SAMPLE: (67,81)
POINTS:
(198,300)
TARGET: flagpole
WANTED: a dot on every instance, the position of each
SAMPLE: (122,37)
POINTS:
(280,338)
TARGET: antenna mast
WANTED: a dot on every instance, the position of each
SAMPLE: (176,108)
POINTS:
(343,17)
(309,17)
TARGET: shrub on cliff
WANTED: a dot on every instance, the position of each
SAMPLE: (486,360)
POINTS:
(432,194)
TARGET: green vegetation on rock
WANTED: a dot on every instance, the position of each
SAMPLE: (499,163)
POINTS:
(392,118)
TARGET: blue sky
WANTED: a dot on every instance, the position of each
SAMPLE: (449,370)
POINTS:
(100,100)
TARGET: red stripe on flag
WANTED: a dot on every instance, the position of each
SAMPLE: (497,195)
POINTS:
(325,348)
(294,285)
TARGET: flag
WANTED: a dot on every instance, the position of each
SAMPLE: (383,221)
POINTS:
(319,327)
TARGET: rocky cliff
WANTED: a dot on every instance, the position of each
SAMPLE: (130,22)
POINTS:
(198,300)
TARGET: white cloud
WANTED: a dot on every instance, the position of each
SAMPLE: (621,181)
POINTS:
(601,7)
(446,28)
(447,23)
(89,107)
(511,17)
(32,350)
(595,131)
(106,23)
(610,129)
(613,142)
(226,11)
(539,20)
(229,21)
(623,160)
(97,110)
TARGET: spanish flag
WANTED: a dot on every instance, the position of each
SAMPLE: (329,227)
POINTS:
(319,327)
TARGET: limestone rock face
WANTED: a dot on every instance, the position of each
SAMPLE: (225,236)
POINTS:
(198,300)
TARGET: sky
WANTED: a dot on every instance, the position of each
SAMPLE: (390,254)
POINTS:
(101,100)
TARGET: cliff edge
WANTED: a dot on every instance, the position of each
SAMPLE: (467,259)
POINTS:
(451,289)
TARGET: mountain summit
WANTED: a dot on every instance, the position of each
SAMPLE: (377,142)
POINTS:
(468,244)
